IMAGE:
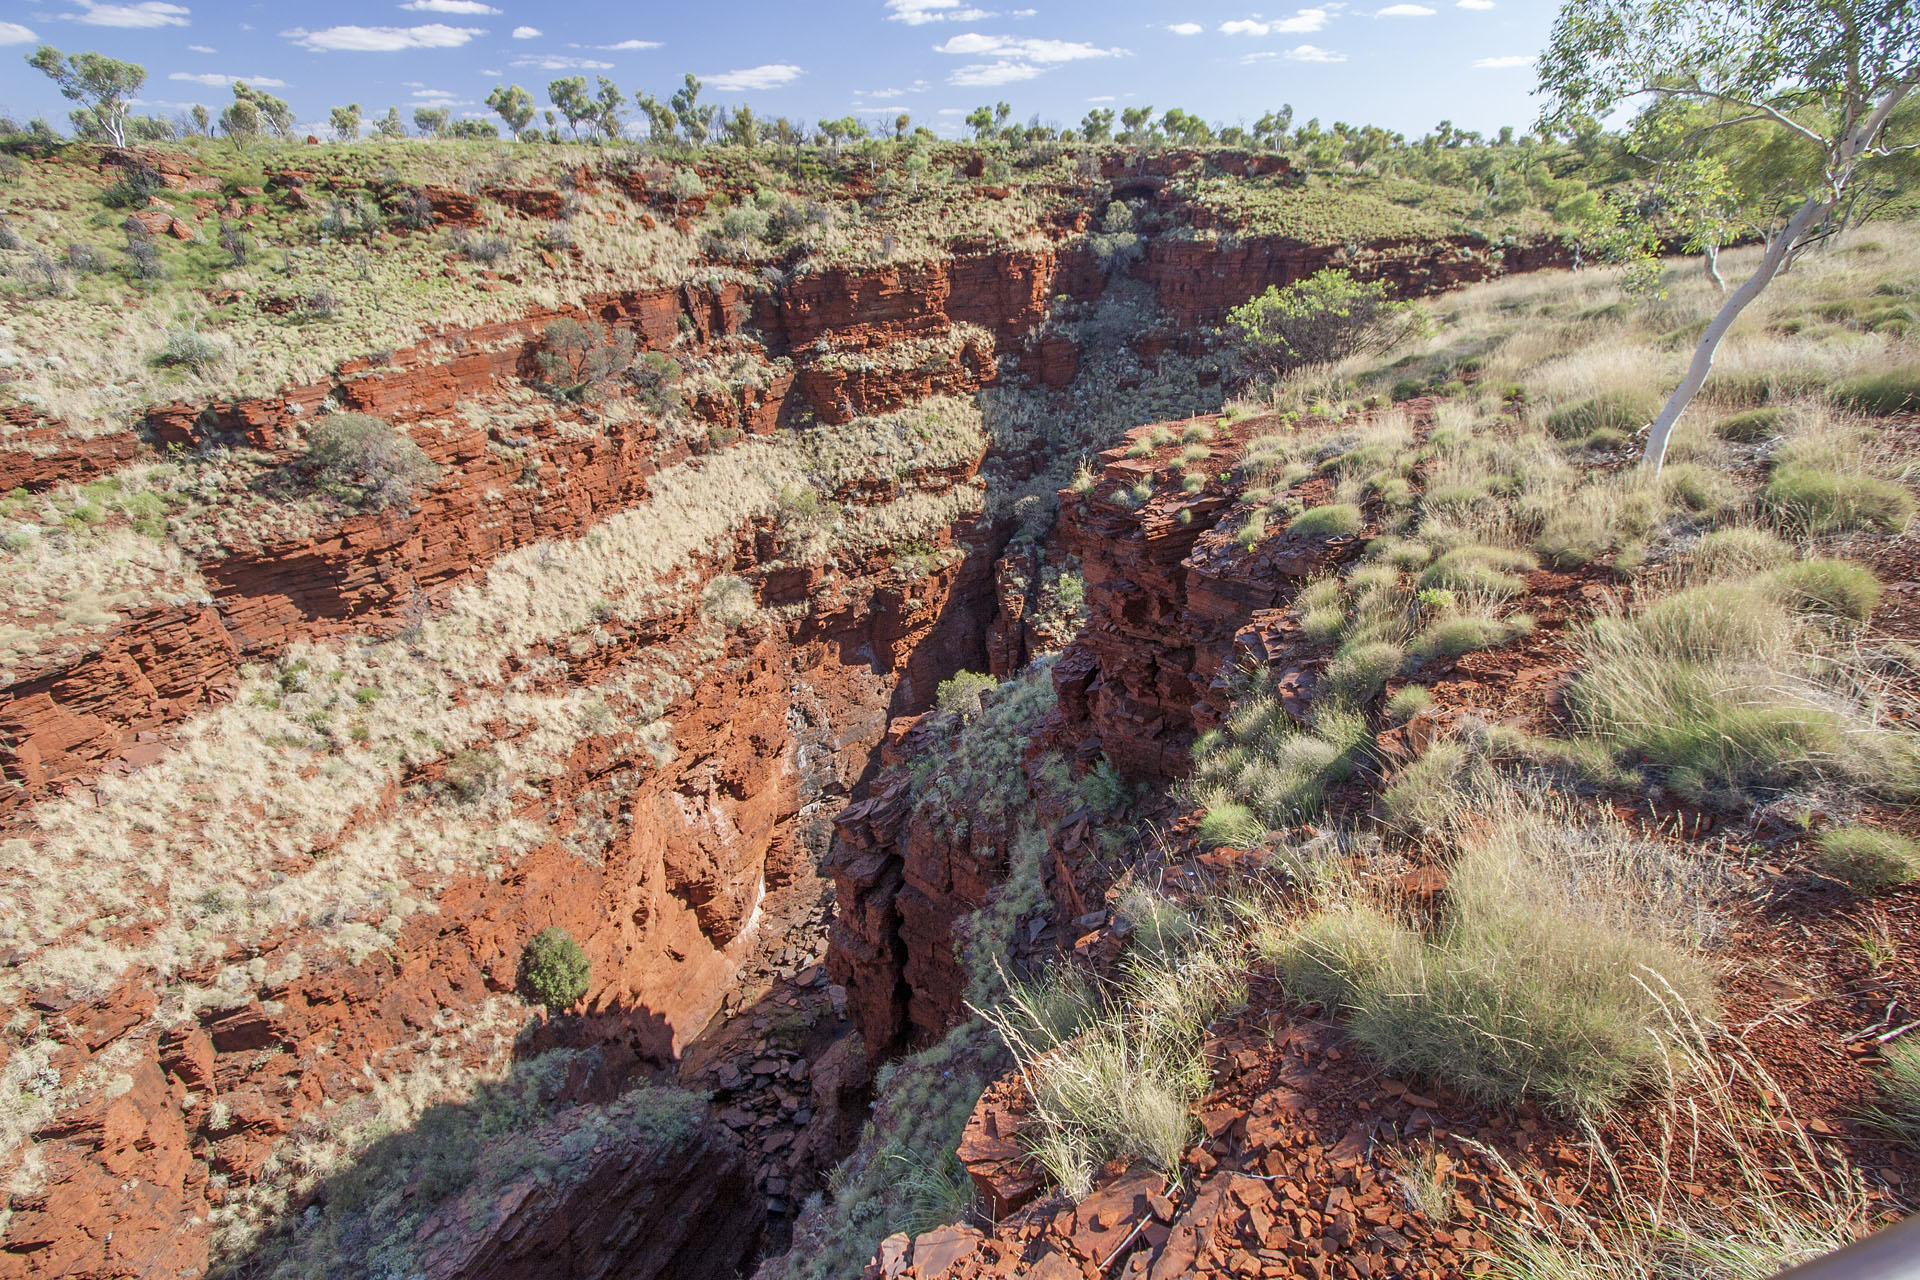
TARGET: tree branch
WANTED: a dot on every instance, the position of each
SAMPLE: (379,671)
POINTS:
(1760,107)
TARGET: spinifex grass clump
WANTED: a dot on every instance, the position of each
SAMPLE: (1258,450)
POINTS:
(1729,690)
(1564,942)
(1114,1070)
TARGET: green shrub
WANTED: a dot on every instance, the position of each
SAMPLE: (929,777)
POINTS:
(1866,858)
(1231,826)
(1881,393)
(1332,520)
(1325,317)
(1751,426)
(1614,410)
(1828,586)
(190,349)
(1408,389)
(961,693)
(1826,501)
(366,462)
(554,970)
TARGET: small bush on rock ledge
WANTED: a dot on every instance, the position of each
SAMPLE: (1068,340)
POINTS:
(364,461)
(554,970)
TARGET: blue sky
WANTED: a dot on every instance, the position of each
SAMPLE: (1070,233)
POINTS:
(1405,66)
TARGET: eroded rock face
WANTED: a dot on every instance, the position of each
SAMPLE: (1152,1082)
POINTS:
(772,733)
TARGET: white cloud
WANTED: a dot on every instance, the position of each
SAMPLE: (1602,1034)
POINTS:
(1505,63)
(983,74)
(201,48)
(918,86)
(146,13)
(526,33)
(1313,53)
(633,44)
(1007,48)
(1405,11)
(1475,4)
(425,97)
(561,62)
(14,33)
(918,12)
(434,35)
(770,76)
(1186,28)
(467,8)
(1105,97)
(214,80)
(1302,21)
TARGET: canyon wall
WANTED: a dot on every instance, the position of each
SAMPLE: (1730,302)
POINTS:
(177,1079)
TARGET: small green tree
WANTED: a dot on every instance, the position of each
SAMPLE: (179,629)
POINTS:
(576,359)
(513,105)
(554,970)
(1097,124)
(660,120)
(388,127)
(103,86)
(431,122)
(609,109)
(345,122)
(1328,316)
(1826,76)
(695,118)
(980,120)
(366,462)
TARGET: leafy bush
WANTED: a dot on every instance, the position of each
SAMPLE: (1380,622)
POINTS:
(576,359)
(1866,858)
(487,249)
(1103,789)
(1331,520)
(1326,317)
(365,461)
(554,970)
(1881,393)
(1826,501)
(961,694)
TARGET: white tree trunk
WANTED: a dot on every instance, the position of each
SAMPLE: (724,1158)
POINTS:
(1712,259)
(1656,453)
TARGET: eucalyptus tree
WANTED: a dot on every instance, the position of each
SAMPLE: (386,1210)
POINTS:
(103,86)
(1824,76)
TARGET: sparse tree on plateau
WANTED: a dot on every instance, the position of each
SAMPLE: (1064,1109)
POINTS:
(202,121)
(270,111)
(609,108)
(695,118)
(980,120)
(660,118)
(569,97)
(1826,76)
(1138,121)
(346,122)
(1097,124)
(388,126)
(513,105)
(103,86)
(743,128)
(901,123)
(431,122)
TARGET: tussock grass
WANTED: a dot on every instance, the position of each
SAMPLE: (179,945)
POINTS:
(1563,940)
(1113,1072)
(1867,859)
(1739,551)
(1900,1090)
(1331,520)
(1896,391)
(1727,690)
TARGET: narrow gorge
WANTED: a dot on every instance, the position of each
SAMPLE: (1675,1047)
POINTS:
(281,820)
